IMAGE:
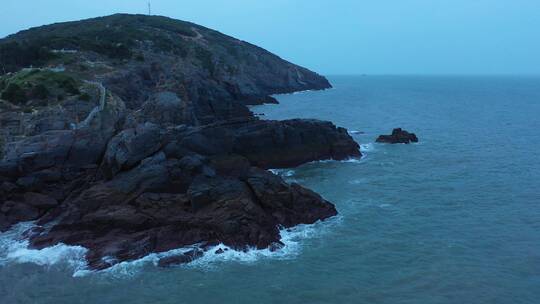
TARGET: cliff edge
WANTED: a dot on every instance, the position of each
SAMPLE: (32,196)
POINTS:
(130,134)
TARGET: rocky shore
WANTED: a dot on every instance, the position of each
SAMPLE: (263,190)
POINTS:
(145,145)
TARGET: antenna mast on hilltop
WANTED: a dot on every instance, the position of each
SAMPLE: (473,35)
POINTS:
(149,8)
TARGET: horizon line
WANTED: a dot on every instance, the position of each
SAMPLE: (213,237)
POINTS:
(437,74)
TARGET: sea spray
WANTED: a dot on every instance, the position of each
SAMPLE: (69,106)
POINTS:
(14,248)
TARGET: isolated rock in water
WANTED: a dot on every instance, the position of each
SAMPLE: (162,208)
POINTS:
(398,136)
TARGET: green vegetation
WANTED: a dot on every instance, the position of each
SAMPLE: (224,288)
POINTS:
(114,36)
(85,97)
(205,57)
(2,144)
(39,92)
(37,84)
(165,44)
(167,24)
(13,93)
(139,57)
(15,55)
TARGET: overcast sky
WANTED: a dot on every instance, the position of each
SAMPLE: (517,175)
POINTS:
(342,36)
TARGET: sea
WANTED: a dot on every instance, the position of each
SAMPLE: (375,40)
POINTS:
(454,218)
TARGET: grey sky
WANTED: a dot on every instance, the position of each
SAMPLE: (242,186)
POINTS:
(343,36)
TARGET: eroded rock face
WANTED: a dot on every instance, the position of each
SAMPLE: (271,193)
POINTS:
(165,204)
(125,194)
(398,136)
(164,153)
(152,188)
(129,147)
(23,207)
(165,108)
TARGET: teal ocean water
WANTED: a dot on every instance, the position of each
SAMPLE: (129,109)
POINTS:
(452,219)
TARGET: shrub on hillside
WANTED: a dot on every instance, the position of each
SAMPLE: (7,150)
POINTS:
(14,93)
(39,92)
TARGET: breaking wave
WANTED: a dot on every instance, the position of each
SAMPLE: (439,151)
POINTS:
(14,250)
(369,147)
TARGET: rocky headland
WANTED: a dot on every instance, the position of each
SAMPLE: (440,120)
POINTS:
(131,134)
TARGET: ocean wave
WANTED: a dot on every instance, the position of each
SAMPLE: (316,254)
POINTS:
(369,147)
(14,249)
(348,160)
(358,181)
(295,92)
(283,172)
(352,160)
(287,173)
(292,239)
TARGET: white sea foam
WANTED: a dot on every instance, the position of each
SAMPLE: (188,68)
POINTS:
(357,181)
(274,171)
(352,160)
(348,160)
(354,132)
(291,172)
(283,172)
(300,92)
(130,268)
(369,147)
(14,249)
(292,239)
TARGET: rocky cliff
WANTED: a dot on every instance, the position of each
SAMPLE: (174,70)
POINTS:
(130,134)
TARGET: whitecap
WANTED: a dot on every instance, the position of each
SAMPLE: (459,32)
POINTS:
(274,171)
(288,173)
(15,249)
(348,160)
(283,172)
(352,160)
(292,238)
(130,268)
(301,92)
(357,181)
(369,147)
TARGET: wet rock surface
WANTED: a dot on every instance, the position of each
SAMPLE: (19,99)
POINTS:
(166,155)
(398,136)
(173,195)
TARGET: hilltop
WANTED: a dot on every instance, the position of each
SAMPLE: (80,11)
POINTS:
(130,134)
(196,62)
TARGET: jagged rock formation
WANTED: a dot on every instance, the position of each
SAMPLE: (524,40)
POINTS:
(151,146)
(398,136)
